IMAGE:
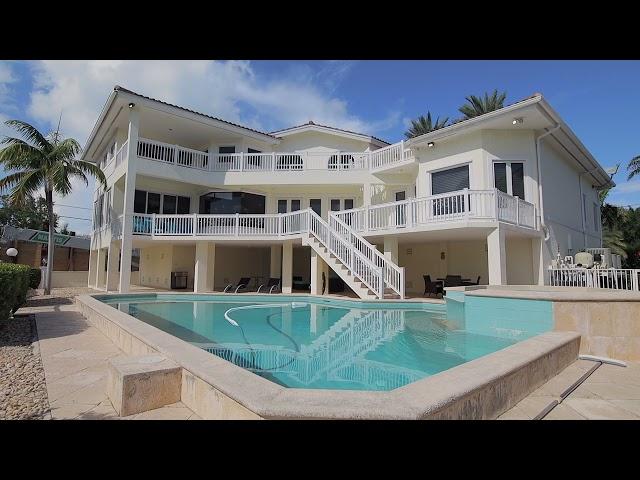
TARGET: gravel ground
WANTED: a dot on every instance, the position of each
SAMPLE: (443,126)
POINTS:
(23,391)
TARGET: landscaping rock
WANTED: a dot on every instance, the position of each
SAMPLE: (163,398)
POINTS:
(23,390)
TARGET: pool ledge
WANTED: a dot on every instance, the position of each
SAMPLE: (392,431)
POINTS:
(217,389)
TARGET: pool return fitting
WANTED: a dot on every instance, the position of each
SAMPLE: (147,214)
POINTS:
(598,363)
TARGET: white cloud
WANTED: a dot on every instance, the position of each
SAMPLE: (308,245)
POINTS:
(230,90)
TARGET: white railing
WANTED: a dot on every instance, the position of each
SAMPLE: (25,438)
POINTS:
(363,260)
(234,225)
(393,274)
(388,156)
(612,278)
(273,161)
(447,207)
(369,273)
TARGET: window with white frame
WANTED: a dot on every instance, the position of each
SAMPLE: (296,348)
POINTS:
(508,177)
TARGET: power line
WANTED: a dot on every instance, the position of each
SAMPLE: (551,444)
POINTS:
(70,206)
(75,218)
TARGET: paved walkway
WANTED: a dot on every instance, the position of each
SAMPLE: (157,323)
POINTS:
(610,393)
(74,356)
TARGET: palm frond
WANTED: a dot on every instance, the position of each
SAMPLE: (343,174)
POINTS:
(30,133)
(25,185)
(19,154)
(476,106)
(634,167)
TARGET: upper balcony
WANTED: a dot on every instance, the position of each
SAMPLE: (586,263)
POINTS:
(329,161)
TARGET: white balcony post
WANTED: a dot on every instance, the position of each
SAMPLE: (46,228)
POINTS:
(129,195)
(465,196)
(273,161)
(279,225)
(495,204)
(517,210)
(497,257)
(175,154)
(634,280)
(241,158)
(195,224)
(237,232)
(153,225)
(402,150)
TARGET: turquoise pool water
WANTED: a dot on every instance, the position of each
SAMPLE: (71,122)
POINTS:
(306,342)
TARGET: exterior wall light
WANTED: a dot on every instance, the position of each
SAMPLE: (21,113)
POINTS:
(431,144)
(131,105)
(518,120)
(12,252)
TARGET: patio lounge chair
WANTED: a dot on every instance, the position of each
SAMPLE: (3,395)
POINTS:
(430,287)
(272,284)
(242,285)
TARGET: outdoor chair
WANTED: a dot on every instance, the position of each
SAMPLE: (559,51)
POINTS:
(469,284)
(272,284)
(430,287)
(242,284)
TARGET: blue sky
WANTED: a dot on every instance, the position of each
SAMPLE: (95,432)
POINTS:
(598,99)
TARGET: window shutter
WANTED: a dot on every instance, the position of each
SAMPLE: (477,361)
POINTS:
(450,180)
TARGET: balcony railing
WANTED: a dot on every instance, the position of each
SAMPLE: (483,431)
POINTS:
(274,161)
(610,278)
(234,225)
(453,206)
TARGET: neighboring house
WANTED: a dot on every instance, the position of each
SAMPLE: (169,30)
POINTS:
(71,253)
(192,193)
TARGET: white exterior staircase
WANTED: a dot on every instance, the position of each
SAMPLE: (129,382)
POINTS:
(359,264)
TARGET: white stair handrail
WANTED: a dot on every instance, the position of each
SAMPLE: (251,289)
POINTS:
(393,274)
(358,264)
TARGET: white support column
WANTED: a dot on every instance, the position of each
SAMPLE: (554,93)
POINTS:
(539,267)
(91,280)
(497,257)
(287,266)
(276,261)
(318,267)
(100,271)
(391,248)
(112,266)
(129,193)
(205,267)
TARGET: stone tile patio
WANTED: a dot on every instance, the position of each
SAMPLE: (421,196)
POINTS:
(610,393)
(74,355)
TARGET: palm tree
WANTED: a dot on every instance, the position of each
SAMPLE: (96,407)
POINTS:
(39,162)
(422,125)
(634,167)
(479,105)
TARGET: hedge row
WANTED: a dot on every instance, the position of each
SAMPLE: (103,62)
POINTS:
(14,283)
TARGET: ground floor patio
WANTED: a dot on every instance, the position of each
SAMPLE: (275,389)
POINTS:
(498,256)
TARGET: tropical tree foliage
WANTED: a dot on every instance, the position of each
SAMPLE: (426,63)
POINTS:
(35,162)
(422,125)
(634,167)
(32,214)
(480,105)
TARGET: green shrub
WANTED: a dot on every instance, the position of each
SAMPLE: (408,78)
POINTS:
(35,275)
(14,284)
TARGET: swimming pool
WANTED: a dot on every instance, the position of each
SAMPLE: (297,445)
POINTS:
(320,343)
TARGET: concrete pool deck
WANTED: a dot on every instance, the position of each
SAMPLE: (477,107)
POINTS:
(75,357)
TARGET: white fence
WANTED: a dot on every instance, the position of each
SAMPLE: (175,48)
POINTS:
(273,161)
(452,206)
(612,278)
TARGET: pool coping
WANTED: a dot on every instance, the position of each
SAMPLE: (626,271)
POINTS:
(481,388)
(553,294)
